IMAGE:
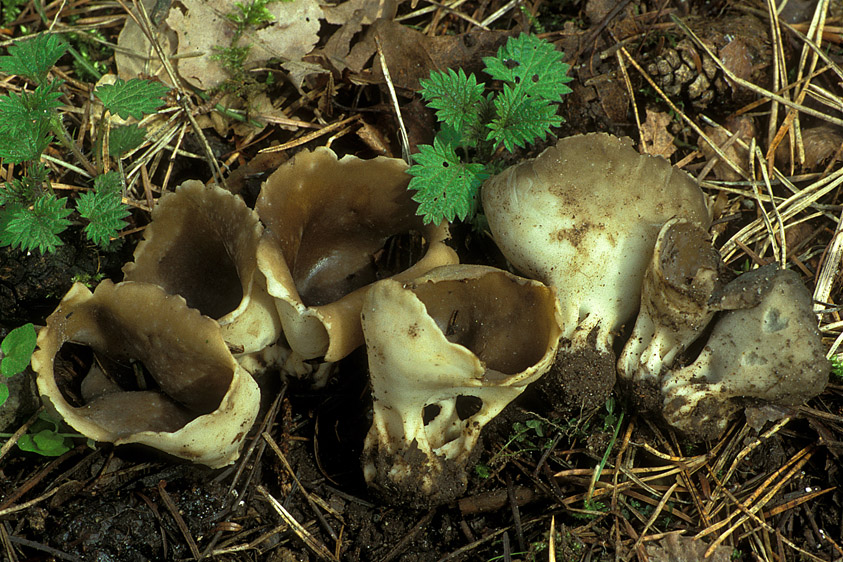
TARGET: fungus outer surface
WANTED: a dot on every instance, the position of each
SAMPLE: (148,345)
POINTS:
(684,273)
(447,352)
(327,222)
(583,217)
(205,403)
(765,350)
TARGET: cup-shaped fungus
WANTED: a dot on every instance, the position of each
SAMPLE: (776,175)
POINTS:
(447,352)
(764,351)
(583,217)
(204,403)
(682,276)
(202,244)
(328,221)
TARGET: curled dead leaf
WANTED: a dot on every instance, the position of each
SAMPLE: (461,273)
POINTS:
(655,137)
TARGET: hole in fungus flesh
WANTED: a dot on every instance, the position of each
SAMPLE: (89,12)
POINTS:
(72,362)
(430,412)
(467,406)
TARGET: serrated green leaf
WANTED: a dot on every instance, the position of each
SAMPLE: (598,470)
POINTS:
(455,97)
(532,63)
(450,136)
(445,187)
(4,393)
(37,227)
(125,138)
(26,145)
(34,57)
(520,119)
(25,123)
(104,208)
(134,98)
(108,182)
(24,190)
(18,110)
(17,348)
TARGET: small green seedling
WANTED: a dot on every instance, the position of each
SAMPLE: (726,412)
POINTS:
(245,16)
(31,215)
(17,348)
(526,437)
(836,369)
(474,124)
(44,438)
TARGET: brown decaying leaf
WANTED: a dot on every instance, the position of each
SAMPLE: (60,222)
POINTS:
(411,55)
(366,10)
(742,126)
(136,56)
(202,26)
(655,137)
(353,15)
(821,143)
(676,548)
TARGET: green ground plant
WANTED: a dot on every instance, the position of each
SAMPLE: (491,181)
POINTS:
(44,436)
(474,123)
(17,348)
(32,216)
(244,16)
(836,369)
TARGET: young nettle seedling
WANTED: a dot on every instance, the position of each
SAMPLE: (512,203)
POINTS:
(31,215)
(474,124)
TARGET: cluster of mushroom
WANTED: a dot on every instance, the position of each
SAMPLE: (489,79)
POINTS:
(613,232)
(217,290)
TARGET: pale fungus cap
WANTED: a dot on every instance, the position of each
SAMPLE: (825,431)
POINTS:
(327,221)
(583,217)
(765,351)
(204,404)
(683,274)
(202,244)
(447,352)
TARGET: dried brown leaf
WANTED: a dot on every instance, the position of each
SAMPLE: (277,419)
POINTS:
(202,26)
(136,56)
(655,137)
(411,55)
(676,548)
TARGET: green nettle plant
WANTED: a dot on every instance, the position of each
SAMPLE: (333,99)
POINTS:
(474,124)
(32,216)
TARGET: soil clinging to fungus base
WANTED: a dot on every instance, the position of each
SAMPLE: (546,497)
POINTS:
(583,217)
(447,352)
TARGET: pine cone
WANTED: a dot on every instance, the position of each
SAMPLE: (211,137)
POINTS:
(681,71)
(687,72)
